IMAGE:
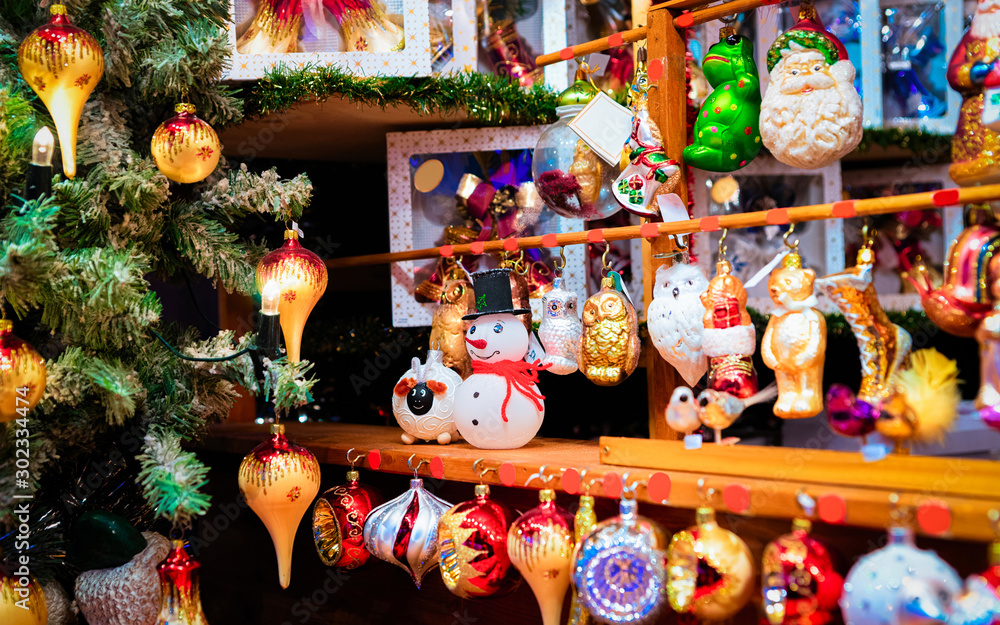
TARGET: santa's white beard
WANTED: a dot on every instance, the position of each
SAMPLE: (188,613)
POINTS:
(986,25)
(811,130)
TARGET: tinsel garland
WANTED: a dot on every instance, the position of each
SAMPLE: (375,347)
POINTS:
(911,139)
(489,100)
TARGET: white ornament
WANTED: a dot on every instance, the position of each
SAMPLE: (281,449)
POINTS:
(810,115)
(902,585)
(674,319)
(496,407)
(683,411)
(560,329)
(404,531)
(423,401)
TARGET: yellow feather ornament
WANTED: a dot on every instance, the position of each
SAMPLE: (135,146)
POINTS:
(925,400)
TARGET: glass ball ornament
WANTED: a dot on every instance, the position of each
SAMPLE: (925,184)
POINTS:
(22,375)
(620,571)
(185,148)
(571,178)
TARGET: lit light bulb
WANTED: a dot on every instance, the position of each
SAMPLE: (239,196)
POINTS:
(42,147)
(269,298)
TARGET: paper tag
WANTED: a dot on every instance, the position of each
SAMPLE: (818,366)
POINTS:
(620,285)
(604,125)
(672,207)
(766,269)
(599,63)
(535,350)
(991,108)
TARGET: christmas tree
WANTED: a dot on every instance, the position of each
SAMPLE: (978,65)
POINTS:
(75,271)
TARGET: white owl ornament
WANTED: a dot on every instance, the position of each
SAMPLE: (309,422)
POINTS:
(423,401)
(675,316)
(560,329)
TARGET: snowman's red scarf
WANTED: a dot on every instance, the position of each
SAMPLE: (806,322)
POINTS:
(518,374)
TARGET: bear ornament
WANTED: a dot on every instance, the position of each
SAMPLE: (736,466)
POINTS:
(727,132)
(794,344)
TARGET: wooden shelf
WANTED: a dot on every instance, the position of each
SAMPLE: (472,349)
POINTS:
(334,130)
(769,479)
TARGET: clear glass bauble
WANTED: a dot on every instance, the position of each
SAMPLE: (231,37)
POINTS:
(570,177)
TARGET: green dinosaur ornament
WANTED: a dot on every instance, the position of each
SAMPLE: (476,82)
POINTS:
(727,133)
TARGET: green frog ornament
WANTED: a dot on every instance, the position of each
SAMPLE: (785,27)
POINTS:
(727,132)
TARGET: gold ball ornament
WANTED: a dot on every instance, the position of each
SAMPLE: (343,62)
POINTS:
(185,148)
(709,570)
(22,375)
(301,276)
(20,605)
(62,64)
(279,481)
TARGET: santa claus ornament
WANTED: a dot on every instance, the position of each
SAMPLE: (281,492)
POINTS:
(620,567)
(675,319)
(404,531)
(650,172)
(729,339)
(800,584)
(727,133)
(499,405)
(975,148)
(338,521)
(472,538)
(423,401)
(811,113)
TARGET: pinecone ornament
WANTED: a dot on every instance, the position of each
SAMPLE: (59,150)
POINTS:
(128,594)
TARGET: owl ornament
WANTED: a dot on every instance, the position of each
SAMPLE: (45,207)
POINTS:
(560,329)
(404,531)
(423,401)
(620,569)
(709,570)
(609,344)
(448,328)
(900,584)
(794,344)
(729,340)
(800,584)
(675,319)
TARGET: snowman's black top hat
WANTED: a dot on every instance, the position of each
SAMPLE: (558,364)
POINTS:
(493,294)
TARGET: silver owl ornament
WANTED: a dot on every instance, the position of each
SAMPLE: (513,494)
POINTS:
(675,316)
(560,329)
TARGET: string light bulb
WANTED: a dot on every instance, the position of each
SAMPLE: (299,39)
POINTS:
(270,295)
(42,147)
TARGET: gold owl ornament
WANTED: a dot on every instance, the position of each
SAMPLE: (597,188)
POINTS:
(609,345)
(448,328)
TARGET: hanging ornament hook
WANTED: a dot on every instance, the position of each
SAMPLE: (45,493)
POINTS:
(705,494)
(540,476)
(481,472)
(585,483)
(606,266)
(994,516)
(727,30)
(722,244)
(807,503)
(792,246)
(561,263)
(356,460)
(900,515)
(420,463)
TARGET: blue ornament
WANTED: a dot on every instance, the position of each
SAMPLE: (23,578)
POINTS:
(619,568)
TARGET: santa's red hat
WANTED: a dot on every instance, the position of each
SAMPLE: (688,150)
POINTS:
(809,33)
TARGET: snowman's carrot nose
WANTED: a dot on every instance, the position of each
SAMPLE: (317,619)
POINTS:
(477,343)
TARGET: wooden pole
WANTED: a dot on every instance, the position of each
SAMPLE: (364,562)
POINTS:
(597,45)
(775,216)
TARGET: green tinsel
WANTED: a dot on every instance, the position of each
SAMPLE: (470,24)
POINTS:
(489,100)
(911,139)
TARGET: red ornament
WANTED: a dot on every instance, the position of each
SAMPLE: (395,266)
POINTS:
(540,544)
(22,375)
(800,584)
(181,602)
(338,522)
(473,542)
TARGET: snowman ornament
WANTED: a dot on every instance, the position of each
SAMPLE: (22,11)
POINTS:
(423,400)
(498,406)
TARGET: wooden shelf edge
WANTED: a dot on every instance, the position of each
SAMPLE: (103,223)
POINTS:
(866,505)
